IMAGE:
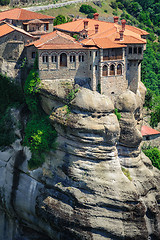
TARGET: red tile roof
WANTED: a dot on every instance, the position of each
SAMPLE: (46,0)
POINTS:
(101,43)
(56,40)
(22,14)
(132,35)
(145,130)
(7,28)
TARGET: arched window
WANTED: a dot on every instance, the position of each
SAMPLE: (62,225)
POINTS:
(54,58)
(63,60)
(112,70)
(105,71)
(119,69)
(81,58)
(45,58)
(72,58)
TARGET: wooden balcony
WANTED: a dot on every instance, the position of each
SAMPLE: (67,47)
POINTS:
(119,57)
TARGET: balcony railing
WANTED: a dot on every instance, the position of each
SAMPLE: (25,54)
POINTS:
(112,57)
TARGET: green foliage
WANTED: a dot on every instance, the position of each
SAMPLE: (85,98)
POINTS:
(148,99)
(155,113)
(115,13)
(40,138)
(39,134)
(117,114)
(90,15)
(154,155)
(114,5)
(126,173)
(87,9)
(10,93)
(151,67)
(7,135)
(105,11)
(71,95)
(76,36)
(4,2)
(60,19)
(134,9)
(31,90)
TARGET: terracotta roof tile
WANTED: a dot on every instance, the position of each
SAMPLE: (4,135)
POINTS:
(6,28)
(22,14)
(78,25)
(145,130)
(56,40)
(105,29)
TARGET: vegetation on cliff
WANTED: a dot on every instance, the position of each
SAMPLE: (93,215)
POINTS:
(39,134)
(154,155)
(10,96)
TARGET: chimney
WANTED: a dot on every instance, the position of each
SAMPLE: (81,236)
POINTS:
(115,19)
(96,28)
(96,16)
(121,34)
(123,21)
(85,24)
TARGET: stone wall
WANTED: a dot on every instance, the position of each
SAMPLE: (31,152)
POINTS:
(73,70)
(12,52)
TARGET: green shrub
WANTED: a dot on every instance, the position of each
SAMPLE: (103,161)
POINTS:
(60,19)
(87,9)
(114,5)
(117,114)
(10,93)
(4,2)
(126,173)
(7,135)
(90,15)
(154,155)
(39,133)
(115,13)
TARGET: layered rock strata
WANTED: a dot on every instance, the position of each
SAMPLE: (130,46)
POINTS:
(97,184)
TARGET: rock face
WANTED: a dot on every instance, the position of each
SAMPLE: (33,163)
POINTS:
(97,184)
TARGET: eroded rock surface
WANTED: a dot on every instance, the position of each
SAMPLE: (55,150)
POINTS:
(96,185)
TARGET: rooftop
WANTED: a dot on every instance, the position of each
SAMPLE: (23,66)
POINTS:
(22,14)
(146,131)
(107,34)
(56,40)
(6,28)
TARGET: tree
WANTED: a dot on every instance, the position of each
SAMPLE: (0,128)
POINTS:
(134,8)
(87,9)
(4,2)
(60,19)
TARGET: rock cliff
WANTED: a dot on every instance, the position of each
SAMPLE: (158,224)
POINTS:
(96,185)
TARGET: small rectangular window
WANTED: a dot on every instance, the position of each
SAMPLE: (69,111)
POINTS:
(130,50)
(90,67)
(139,50)
(135,50)
(90,53)
(45,59)
(96,53)
(54,59)
(96,67)
(72,58)
(33,54)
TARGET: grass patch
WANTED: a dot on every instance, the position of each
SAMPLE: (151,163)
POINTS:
(126,173)
(74,9)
